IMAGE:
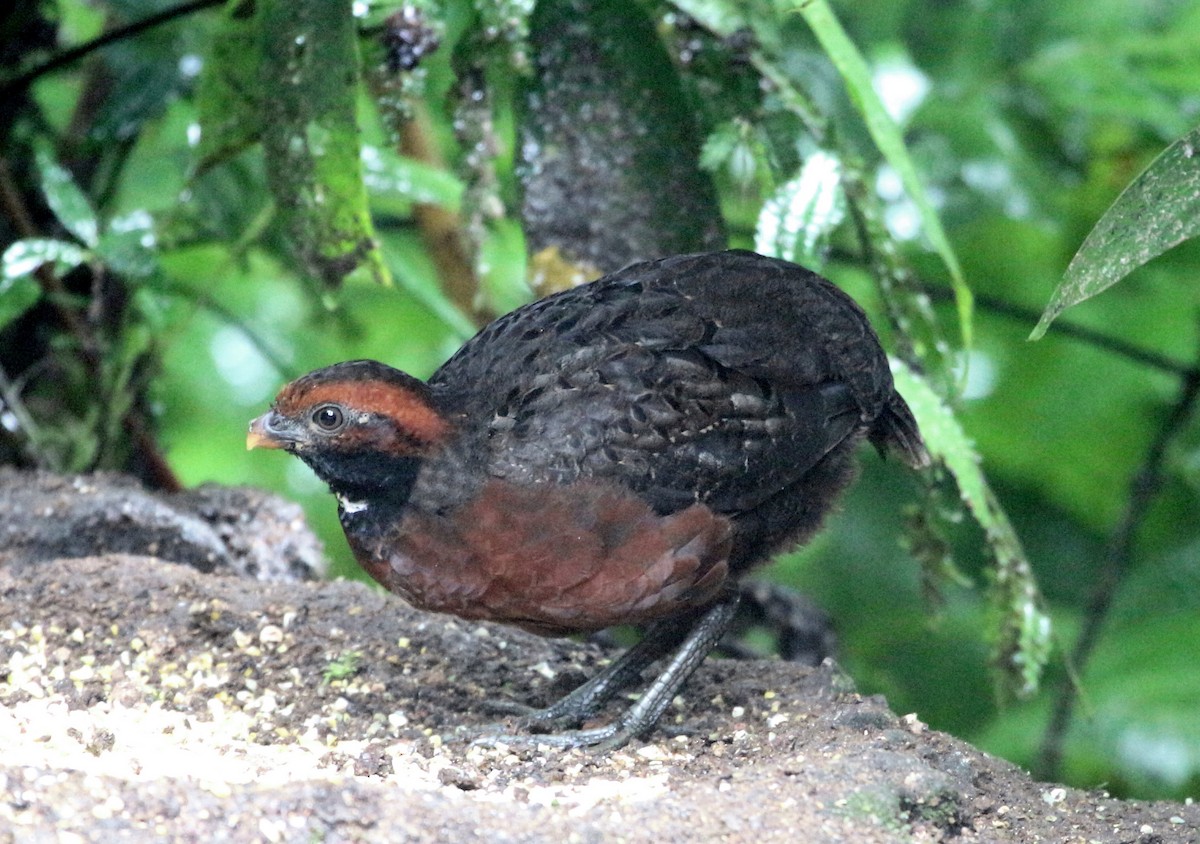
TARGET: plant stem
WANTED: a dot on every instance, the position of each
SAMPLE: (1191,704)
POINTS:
(1143,488)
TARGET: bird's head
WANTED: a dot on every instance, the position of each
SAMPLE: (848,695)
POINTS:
(354,423)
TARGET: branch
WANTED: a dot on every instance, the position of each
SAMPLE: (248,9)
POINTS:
(1106,342)
(1143,488)
(442,229)
(18,84)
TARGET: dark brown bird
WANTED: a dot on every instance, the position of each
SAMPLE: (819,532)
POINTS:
(619,453)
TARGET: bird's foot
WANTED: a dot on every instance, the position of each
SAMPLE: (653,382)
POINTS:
(608,737)
(530,725)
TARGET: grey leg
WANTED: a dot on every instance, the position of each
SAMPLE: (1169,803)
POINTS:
(691,643)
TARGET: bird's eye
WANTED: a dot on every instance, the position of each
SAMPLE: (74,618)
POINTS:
(328,417)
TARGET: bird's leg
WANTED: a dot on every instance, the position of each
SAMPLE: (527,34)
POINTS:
(586,699)
(699,639)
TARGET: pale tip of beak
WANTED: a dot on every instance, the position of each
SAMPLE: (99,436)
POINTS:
(259,437)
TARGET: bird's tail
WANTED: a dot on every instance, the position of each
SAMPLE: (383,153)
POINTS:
(895,432)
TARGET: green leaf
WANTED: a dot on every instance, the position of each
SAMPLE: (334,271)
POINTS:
(396,182)
(1022,639)
(502,260)
(1159,210)
(17,295)
(415,273)
(66,200)
(719,16)
(797,221)
(310,136)
(18,290)
(127,247)
(856,74)
(737,148)
(24,257)
(229,96)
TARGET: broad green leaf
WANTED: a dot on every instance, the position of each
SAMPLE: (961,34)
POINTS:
(738,149)
(414,272)
(1022,641)
(17,295)
(395,180)
(66,200)
(1159,210)
(310,136)
(502,266)
(127,247)
(23,258)
(854,71)
(229,95)
(797,221)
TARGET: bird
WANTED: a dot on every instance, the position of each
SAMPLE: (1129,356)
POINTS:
(619,453)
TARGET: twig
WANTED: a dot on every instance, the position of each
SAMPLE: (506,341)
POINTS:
(1143,488)
(19,83)
(1020,313)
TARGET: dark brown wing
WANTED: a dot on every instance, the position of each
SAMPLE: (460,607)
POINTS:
(718,379)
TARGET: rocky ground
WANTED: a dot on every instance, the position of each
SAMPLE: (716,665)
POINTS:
(142,700)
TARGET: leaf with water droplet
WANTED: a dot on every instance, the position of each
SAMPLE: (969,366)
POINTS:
(24,257)
(1159,210)
(395,182)
(18,291)
(66,200)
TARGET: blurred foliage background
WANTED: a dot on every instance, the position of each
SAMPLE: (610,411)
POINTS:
(200,201)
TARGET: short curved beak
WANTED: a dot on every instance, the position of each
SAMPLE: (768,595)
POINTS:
(260,434)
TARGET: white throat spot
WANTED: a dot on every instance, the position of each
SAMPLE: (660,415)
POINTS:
(349,507)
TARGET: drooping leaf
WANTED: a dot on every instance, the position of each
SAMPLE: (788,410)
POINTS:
(719,16)
(796,222)
(1022,638)
(886,134)
(1159,210)
(310,136)
(502,258)
(415,273)
(66,200)
(18,290)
